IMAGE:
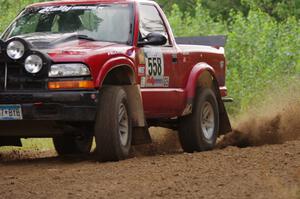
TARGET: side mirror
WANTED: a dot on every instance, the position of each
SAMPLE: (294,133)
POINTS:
(153,39)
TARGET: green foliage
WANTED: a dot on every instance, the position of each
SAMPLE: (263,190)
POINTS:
(280,9)
(9,9)
(186,5)
(262,53)
(222,8)
(43,144)
(184,24)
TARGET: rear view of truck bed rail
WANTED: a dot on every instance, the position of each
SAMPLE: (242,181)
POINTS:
(217,41)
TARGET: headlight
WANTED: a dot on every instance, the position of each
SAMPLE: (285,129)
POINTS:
(33,64)
(15,49)
(69,70)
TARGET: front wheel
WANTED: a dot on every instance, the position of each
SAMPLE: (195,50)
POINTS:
(199,131)
(113,131)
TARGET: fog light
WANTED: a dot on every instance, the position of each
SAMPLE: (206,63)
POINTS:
(33,64)
(15,50)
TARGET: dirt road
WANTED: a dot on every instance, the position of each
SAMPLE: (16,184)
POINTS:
(267,167)
(271,171)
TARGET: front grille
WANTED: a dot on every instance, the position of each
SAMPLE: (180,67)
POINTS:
(13,77)
(2,76)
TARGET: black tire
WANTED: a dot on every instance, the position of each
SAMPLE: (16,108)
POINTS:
(73,145)
(112,142)
(194,133)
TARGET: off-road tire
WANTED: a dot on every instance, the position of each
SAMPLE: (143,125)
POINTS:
(112,141)
(191,134)
(73,145)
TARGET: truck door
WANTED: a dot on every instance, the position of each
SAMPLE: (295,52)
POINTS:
(161,96)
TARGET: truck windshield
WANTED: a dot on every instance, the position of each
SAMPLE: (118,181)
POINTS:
(107,22)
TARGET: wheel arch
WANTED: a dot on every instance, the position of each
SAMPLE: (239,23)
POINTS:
(121,72)
(203,76)
(117,71)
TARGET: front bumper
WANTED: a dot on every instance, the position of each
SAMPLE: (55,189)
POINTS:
(54,106)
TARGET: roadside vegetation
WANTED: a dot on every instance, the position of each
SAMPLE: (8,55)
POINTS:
(263,48)
(31,144)
(263,51)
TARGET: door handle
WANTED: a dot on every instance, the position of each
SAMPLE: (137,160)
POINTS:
(174,59)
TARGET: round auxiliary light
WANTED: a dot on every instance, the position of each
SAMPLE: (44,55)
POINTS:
(15,49)
(33,64)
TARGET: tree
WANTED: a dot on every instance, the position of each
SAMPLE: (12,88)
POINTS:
(279,9)
(186,5)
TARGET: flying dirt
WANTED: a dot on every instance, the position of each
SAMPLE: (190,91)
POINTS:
(273,121)
(277,127)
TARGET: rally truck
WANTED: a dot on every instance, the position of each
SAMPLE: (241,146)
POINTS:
(75,70)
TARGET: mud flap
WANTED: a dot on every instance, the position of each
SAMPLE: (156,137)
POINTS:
(225,126)
(10,141)
(140,132)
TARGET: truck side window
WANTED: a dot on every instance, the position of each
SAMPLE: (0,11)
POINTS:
(150,21)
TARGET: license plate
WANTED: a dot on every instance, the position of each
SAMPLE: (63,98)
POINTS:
(11,112)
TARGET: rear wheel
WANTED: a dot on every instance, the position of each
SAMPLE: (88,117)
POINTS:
(199,131)
(113,131)
(73,145)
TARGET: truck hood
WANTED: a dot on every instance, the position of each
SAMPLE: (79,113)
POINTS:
(59,46)
(95,54)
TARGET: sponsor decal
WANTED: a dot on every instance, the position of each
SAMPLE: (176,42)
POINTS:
(66,8)
(114,52)
(141,70)
(155,82)
(153,73)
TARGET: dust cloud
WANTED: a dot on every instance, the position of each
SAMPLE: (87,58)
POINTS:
(274,121)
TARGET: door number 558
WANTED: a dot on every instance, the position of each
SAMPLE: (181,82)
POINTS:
(155,66)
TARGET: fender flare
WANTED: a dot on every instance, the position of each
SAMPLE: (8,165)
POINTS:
(112,64)
(140,133)
(199,70)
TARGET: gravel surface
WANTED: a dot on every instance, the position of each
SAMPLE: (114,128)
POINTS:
(270,171)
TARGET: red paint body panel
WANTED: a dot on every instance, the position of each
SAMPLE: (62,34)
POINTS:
(172,101)
(159,102)
(111,64)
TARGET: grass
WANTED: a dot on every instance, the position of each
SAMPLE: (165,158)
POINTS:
(32,144)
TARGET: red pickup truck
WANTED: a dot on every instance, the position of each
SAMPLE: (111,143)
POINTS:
(73,70)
